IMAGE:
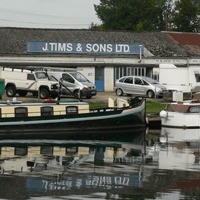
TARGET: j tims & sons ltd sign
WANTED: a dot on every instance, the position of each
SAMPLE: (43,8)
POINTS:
(94,48)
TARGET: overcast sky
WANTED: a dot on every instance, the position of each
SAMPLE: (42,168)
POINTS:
(67,14)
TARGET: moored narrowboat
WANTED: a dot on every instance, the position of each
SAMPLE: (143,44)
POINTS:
(53,117)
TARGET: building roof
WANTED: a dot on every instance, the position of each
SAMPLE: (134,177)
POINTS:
(160,44)
(190,41)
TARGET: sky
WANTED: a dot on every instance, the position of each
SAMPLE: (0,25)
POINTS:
(59,14)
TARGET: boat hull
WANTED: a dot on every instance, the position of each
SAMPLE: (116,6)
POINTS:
(181,120)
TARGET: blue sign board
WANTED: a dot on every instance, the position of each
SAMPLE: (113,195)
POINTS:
(84,48)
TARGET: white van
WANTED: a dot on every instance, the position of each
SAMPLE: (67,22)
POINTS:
(73,82)
(20,81)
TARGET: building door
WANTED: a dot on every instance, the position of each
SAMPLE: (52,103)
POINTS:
(99,78)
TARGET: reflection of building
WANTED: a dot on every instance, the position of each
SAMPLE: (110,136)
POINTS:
(39,158)
(70,167)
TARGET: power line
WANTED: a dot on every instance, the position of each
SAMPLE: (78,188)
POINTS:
(25,13)
(28,22)
(39,15)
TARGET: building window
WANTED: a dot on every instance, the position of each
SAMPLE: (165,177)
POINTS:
(71,110)
(197,76)
(129,71)
(46,111)
(21,112)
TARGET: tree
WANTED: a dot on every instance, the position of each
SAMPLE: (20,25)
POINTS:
(131,14)
(185,16)
(168,14)
(148,15)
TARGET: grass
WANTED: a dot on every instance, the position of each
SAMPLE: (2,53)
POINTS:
(154,107)
(151,107)
(98,104)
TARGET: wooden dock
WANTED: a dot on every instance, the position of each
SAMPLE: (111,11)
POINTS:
(153,121)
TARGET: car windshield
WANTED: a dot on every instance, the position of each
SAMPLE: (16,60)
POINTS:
(41,75)
(150,80)
(79,77)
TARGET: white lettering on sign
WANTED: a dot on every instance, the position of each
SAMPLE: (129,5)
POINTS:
(194,61)
(106,182)
(45,48)
(57,47)
(171,61)
(122,48)
(65,47)
(99,48)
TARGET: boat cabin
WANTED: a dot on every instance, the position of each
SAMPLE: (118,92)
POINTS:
(17,109)
(186,107)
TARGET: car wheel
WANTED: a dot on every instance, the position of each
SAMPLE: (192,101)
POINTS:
(150,94)
(11,91)
(119,92)
(89,96)
(44,93)
(22,93)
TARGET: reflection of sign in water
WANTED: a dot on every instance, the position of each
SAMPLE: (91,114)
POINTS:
(98,48)
(83,182)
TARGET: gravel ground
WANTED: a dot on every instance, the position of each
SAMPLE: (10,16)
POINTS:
(101,96)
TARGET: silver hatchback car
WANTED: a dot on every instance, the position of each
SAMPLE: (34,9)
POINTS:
(139,85)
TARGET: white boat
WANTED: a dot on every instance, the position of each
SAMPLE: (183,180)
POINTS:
(185,114)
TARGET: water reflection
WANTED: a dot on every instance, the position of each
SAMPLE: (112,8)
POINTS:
(182,149)
(153,164)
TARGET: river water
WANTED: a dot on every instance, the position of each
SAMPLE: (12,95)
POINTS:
(144,165)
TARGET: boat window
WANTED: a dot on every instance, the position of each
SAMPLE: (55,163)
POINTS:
(180,107)
(21,112)
(46,150)
(46,111)
(194,109)
(71,110)
(21,151)
(71,150)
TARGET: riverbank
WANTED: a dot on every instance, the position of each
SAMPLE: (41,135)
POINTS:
(101,96)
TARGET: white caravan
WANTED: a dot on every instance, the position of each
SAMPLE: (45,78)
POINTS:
(185,79)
